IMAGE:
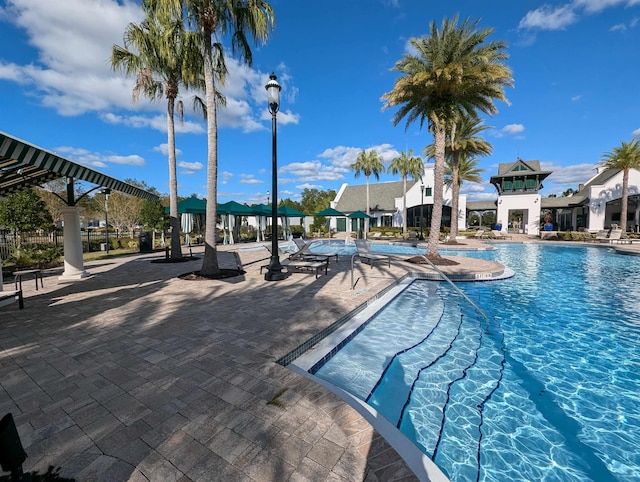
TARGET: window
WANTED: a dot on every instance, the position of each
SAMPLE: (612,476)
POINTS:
(507,185)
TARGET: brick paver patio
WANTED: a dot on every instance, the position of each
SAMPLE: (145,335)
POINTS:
(135,374)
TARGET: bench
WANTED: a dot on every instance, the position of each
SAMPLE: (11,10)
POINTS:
(16,294)
(17,277)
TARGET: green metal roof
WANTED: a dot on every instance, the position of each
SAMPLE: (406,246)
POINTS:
(23,165)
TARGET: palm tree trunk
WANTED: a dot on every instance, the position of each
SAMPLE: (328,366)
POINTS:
(438,186)
(366,221)
(174,221)
(404,206)
(624,202)
(455,199)
(210,259)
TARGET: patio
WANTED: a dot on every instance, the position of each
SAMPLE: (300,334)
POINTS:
(134,374)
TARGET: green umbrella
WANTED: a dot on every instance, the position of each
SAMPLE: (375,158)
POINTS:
(329,212)
(192,205)
(359,215)
(234,208)
(290,212)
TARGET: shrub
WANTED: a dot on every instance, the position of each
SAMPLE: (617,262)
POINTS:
(297,230)
(37,255)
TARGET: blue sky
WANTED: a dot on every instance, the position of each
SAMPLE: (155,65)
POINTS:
(576,67)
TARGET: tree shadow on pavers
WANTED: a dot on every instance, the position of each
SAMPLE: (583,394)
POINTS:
(51,475)
(137,363)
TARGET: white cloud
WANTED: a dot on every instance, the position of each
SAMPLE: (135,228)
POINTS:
(549,18)
(636,134)
(342,156)
(93,159)
(509,130)
(513,129)
(249,179)
(70,70)
(306,185)
(225,176)
(313,171)
(164,149)
(191,166)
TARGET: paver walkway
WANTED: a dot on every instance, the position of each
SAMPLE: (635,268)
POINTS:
(134,374)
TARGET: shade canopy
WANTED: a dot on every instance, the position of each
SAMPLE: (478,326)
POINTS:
(359,215)
(23,165)
(289,212)
(192,205)
(261,210)
(329,212)
(234,208)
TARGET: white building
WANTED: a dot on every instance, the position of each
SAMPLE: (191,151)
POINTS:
(386,204)
(595,206)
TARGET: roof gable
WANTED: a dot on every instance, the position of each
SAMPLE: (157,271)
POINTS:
(382,196)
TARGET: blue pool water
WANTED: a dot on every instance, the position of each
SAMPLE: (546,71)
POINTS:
(548,390)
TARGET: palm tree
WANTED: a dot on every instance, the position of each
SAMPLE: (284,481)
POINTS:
(406,165)
(163,57)
(367,163)
(623,158)
(455,71)
(464,141)
(220,19)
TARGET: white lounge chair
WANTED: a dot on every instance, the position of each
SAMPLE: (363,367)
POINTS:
(499,234)
(615,235)
(298,265)
(480,234)
(364,252)
(603,235)
(305,254)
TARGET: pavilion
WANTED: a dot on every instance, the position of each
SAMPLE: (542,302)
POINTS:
(23,165)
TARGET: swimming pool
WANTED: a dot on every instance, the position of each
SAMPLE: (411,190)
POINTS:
(549,390)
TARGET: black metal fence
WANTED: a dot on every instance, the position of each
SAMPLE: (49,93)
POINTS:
(92,240)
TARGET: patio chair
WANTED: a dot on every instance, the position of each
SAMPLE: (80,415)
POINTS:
(603,235)
(364,252)
(376,235)
(499,234)
(298,265)
(615,235)
(306,255)
(480,234)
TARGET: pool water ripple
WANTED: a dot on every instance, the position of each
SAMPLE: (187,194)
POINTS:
(566,406)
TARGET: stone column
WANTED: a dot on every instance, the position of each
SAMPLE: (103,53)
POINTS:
(73,263)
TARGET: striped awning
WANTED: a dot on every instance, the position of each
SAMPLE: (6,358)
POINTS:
(23,165)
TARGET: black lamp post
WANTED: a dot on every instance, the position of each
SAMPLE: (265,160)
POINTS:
(106,191)
(268,197)
(421,238)
(274,272)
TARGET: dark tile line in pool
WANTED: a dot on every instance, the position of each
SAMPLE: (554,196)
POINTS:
(318,337)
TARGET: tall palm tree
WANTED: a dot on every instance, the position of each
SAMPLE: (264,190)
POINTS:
(455,70)
(406,165)
(463,141)
(163,56)
(237,21)
(623,158)
(367,163)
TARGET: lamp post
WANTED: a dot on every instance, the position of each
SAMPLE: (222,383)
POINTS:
(268,198)
(106,191)
(421,238)
(274,271)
